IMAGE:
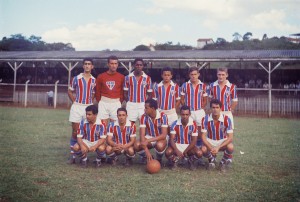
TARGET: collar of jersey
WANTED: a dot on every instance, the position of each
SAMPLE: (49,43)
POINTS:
(143,74)
(199,82)
(161,83)
(221,118)
(128,123)
(189,123)
(227,83)
(98,121)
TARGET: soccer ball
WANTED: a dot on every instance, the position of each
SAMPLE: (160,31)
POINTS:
(153,166)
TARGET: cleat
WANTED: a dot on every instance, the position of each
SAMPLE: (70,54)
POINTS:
(98,164)
(114,161)
(143,160)
(71,161)
(174,166)
(103,160)
(83,163)
(128,162)
(211,166)
(192,165)
(222,167)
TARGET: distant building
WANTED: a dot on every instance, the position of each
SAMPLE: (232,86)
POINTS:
(293,40)
(202,42)
(151,47)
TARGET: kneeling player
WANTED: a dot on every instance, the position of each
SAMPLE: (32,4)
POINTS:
(121,137)
(217,135)
(153,132)
(183,138)
(91,136)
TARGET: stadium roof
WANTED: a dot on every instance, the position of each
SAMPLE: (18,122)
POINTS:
(177,55)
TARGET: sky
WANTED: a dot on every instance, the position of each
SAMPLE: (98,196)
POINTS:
(95,25)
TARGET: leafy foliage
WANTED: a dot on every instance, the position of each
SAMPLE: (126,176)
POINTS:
(18,42)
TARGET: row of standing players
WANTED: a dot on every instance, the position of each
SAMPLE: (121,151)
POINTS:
(192,135)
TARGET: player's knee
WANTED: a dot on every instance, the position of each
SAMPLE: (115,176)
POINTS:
(137,146)
(204,149)
(199,153)
(76,147)
(108,150)
(130,151)
(169,152)
(102,148)
(160,146)
(230,147)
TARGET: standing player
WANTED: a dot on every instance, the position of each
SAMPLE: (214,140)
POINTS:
(91,136)
(109,91)
(121,137)
(224,91)
(83,85)
(217,135)
(153,132)
(167,95)
(193,94)
(137,87)
(183,139)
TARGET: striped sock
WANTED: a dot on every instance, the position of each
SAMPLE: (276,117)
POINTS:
(210,157)
(100,154)
(227,156)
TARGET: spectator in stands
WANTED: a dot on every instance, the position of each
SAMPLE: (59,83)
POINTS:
(259,83)
(297,87)
(50,95)
(252,83)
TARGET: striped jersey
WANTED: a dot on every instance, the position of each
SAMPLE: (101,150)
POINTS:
(84,89)
(193,95)
(137,89)
(166,96)
(183,135)
(153,127)
(218,130)
(90,132)
(121,136)
(225,95)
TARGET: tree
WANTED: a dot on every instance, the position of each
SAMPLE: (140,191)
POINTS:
(247,36)
(265,37)
(141,48)
(236,36)
(220,41)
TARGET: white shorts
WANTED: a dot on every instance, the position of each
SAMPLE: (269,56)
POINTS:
(77,112)
(198,116)
(229,114)
(181,147)
(107,108)
(88,143)
(154,143)
(216,143)
(171,114)
(135,110)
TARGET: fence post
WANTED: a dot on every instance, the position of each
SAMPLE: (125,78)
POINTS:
(55,94)
(26,93)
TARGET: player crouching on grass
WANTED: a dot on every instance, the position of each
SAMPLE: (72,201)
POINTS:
(217,135)
(91,136)
(153,132)
(183,138)
(121,136)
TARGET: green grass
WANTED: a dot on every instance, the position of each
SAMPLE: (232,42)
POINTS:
(34,149)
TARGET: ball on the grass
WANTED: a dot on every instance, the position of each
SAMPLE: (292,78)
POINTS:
(153,166)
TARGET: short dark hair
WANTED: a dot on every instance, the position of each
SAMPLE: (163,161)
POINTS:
(223,69)
(139,59)
(152,103)
(88,59)
(92,108)
(185,107)
(112,57)
(215,101)
(167,69)
(121,109)
(193,69)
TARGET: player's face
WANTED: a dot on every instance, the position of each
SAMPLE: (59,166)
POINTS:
(222,76)
(138,66)
(91,117)
(88,66)
(166,76)
(148,109)
(185,114)
(215,109)
(122,117)
(113,65)
(194,75)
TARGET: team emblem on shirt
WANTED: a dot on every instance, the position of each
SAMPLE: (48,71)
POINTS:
(227,93)
(110,84)
(173,92)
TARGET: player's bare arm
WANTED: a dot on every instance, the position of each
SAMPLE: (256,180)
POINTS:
(191,146)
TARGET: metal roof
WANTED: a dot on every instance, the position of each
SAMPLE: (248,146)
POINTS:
(178,55)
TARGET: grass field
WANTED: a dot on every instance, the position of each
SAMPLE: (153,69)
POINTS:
(34,149)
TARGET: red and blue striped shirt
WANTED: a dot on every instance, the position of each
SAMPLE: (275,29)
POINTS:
(218,130)
(137,89)
(121,136)
(183,135)
(84,89)
(225,95)
(91,132)
(153,128)
(193,95)
(166,97)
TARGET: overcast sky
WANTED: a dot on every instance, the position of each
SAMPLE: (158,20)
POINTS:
(124,24)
